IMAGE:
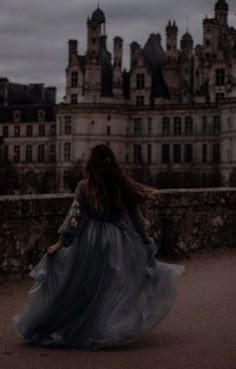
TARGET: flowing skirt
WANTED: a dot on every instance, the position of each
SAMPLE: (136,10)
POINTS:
(105,289)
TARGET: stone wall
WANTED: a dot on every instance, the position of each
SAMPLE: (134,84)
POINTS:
(181,221)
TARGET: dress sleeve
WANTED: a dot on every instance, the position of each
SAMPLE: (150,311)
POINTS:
(140,223)
(71,222)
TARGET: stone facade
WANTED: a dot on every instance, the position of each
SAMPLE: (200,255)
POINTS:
(173,111)
(28,126)
(181,222)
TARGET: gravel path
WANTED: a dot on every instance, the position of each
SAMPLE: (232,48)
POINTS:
(199,333)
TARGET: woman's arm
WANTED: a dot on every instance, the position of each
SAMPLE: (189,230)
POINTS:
(56,246)
(141,224)
(67,229)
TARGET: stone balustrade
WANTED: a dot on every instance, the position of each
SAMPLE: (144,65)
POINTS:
(181,221)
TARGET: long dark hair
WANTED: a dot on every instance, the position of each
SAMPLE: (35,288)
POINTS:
(109,188)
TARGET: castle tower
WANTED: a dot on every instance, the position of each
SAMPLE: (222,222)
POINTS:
(96,28)
(117,66)
(118,52)
(73,52)
(134,52)
(187,44)
(221,12)
(171,39)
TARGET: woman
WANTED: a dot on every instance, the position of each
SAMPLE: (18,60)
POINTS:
(100,285)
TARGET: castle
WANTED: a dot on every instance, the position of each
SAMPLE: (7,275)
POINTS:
(172,113)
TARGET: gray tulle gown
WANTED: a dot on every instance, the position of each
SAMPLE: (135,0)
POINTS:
(104,288)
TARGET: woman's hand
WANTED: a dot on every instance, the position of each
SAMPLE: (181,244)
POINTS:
(56,246)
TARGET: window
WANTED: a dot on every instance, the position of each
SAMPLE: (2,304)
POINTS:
(137,153)
(53,130)
(140,81)
(139,100)
(177,126)
(108,130)
(216,153)
(138,127)
(52,153)
(28,154)
(165,153)
(204,125)
(17,116)
(74,79)
(29,131)
(204,153)
(5,131)
(188,126)
(220,77)
(17,131)
(149,153)
(166,126)
(5,153)
(41,130)
(41,115)
(67,151)
(219,96)
(216,125)
(67,125)
(188,153)
(177,153)
(41,153)
(16,153)
(149,126)
(74,99)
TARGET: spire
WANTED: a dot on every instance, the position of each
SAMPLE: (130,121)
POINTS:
(187,19)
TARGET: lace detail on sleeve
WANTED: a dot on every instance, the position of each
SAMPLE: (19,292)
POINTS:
(141,224)
(75,214)
(73,217)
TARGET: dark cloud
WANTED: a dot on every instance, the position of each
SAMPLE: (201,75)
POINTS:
(34,34)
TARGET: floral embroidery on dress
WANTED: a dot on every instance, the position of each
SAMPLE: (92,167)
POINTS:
(75,214)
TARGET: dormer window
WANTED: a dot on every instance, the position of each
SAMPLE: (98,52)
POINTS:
(74,79)
(17,116)
(41,115)
(220,77)
(140,81)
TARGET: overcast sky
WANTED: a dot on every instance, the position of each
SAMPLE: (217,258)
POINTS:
(34,34)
